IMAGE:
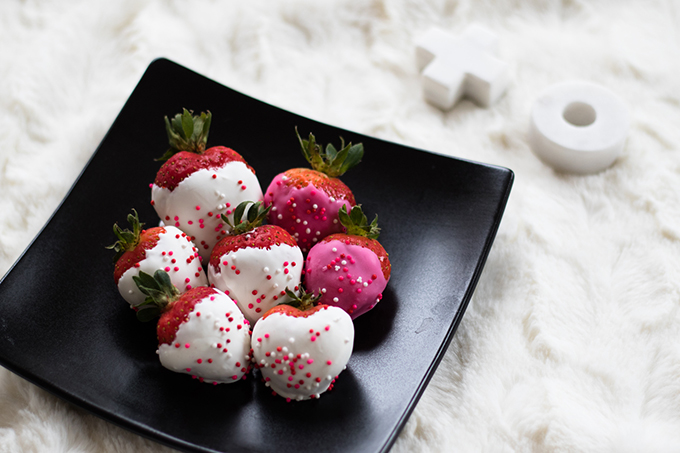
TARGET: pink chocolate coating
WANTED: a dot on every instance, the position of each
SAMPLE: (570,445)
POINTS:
(347,276)
(308,214)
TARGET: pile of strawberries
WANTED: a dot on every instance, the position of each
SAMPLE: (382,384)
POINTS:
(223,275)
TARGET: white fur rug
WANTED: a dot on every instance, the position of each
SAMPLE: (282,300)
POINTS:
(572,339)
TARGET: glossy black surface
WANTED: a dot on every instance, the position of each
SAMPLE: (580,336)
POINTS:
(82,342)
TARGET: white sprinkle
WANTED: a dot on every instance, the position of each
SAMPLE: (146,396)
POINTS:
(284,177)
(308,231)
(315,206)
(334,249)
(343,262)
(266,269)
(332,199)
(365,284)
(279,216)
(285,349)
(323,290)
(130,292)
(291,339)
(294,205)
(304,223)
(274,208)
(276,285)
(335,299)
(297,235)
(297,220)
(335,220)
(337,268)
(346,340)
(314,239)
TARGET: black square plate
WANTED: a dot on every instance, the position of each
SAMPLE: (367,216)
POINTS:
(64,327)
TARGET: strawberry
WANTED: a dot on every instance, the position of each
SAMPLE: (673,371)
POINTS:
(301,350)
(256,263)
(196,185)
(201,332)
(349,270)
(165,248)
(304,201)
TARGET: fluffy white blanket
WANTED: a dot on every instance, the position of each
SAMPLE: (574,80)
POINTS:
(572,339)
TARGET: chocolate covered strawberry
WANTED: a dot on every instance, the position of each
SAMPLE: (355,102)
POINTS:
(349,270)
(256,263)
(201,332)
(195,186)
(300,351)
(304,201)
(166,248)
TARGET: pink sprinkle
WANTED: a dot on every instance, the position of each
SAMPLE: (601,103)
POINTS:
(198,208)
(176,218)
(167,269)
(358,290)
(187,280)
(314,338)
(329,362)
(310,361)
(328,328)
(280,371)
(340,290)
(290,378)
(188,287)
(187,345)
(259,339)
(301,367)
(201,361)
(267,335)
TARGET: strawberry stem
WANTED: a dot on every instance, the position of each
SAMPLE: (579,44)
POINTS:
(357,224)
(187,132)
(330,161)
(160,293)
(127,240)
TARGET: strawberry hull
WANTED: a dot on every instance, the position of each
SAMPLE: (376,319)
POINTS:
(256,278)
(196,203)
(346,275)
(212,342)
(300,356)
(308,212)
(173,252)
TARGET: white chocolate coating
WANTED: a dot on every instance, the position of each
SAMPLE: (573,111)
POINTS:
(175,254)
(195,205)
(262,277)
(209,345)
(313,351)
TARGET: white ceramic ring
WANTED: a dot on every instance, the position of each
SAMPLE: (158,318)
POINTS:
(578,127)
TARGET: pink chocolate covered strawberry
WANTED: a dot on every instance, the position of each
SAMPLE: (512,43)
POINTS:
(349,270)
(201,332)
(256,263)
(165,248)
(195,186)
(301,351)
(305,202)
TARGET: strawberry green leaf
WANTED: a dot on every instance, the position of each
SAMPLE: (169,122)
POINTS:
(255,217)
(357,224)
(331,161)
(160,291)
(187,132)
(303,301)
(127,240)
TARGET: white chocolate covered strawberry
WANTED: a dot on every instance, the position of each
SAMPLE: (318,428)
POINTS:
(195,186)
(301,352)
(201,332)
(256,263)
(166,248)
(304,201)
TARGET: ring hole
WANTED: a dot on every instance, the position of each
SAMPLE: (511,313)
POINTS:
(579,114)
